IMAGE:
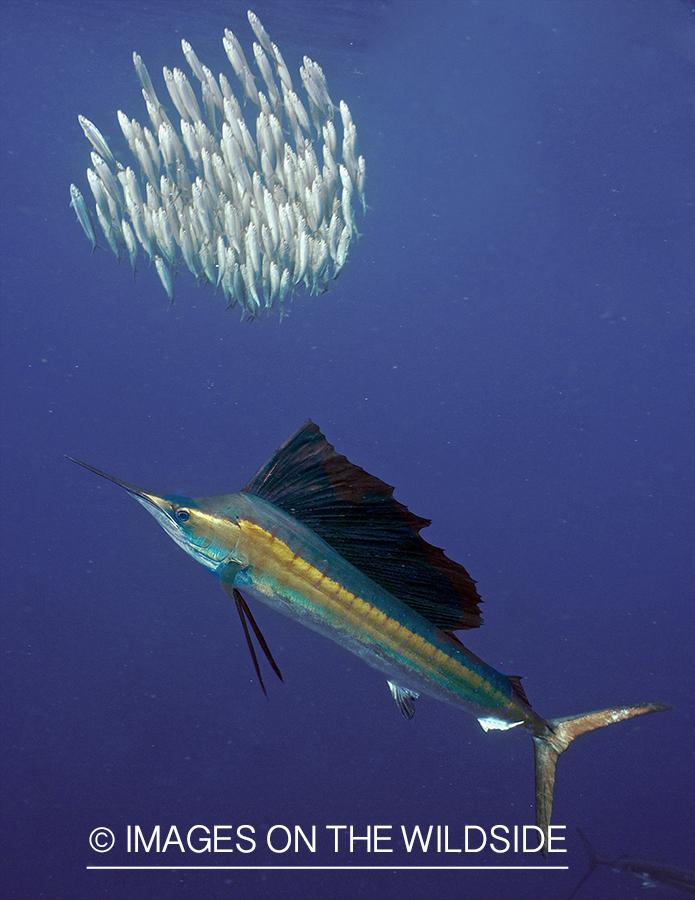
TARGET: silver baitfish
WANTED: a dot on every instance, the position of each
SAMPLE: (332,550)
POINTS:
(84,216)
(256,219)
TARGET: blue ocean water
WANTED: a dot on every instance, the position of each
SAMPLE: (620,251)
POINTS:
(510,344)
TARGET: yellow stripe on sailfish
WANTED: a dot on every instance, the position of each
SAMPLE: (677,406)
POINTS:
(255,219)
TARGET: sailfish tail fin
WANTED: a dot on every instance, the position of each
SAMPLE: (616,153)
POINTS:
(561,732)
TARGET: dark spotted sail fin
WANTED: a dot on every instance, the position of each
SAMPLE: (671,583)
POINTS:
(356,514)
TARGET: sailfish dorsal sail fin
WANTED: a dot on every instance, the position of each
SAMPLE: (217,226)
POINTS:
(356,514)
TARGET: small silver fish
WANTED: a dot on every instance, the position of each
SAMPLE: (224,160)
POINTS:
(190,141)
(84,217)
(188,251)
(266,71)
(145,79)
(253,255)
(143,156)
(176,99)
(192,60)
(126,128)
(185,91)
(260,33)
(98,141)
(343,245)
(235,54)
(282,70)
(214,88)
(130,242)
(99,192)
(109,233)
(106,175)
(361,176)
(165,276)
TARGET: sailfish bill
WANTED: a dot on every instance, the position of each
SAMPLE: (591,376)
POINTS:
(326,543)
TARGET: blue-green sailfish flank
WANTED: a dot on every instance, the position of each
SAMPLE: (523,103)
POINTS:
(324,542)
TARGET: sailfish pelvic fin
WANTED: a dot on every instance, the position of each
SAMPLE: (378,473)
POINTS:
(547,749)
(247,619)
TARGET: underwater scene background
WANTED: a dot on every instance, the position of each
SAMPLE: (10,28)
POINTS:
(510,344)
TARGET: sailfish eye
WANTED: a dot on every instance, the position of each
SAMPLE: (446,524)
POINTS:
(183,515)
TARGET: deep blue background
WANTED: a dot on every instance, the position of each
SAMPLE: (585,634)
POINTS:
(510,344)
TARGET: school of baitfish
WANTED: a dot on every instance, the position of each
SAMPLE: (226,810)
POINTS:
(253,218)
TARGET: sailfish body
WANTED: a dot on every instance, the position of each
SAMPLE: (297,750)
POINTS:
(324,542)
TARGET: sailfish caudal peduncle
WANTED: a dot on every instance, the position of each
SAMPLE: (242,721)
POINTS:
(324,542)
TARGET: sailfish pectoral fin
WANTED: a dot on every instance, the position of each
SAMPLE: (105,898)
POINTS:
(561,732)
(247,618)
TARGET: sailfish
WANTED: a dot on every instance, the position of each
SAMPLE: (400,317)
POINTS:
(324,542)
